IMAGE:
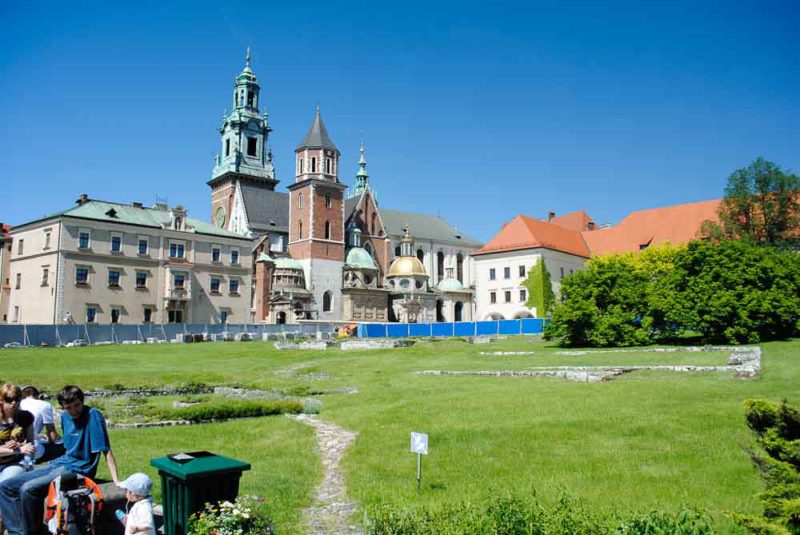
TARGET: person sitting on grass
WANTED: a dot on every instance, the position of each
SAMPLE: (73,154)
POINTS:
(47,445)
(139,519)
(16,432)
(85,439)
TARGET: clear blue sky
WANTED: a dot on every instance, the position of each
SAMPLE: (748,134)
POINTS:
(475,111)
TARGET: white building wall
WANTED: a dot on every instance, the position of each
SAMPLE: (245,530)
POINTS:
(34,300)
(558,265)
(321,276)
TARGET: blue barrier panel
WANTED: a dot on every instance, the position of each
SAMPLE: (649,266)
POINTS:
(532,326)
(464,328)
(397,330)
(441,329)
(374,330)
(42,335)
(172,330)
(419,329)
(126,332)
(486,327)
(509,327)
(12,333)
(98,333)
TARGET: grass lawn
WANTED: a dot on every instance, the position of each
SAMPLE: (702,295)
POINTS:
(642,441)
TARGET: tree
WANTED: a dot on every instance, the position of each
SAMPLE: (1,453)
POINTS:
(761,204)
(540,289)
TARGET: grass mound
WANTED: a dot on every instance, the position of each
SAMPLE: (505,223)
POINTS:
(229,409)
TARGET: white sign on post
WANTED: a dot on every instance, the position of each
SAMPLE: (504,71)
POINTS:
(419,443)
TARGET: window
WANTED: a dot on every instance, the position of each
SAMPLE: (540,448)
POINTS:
(507,296)
(91,314)
(116,243)
(250,99)
(215,285)
(397,251)
(176,250)
(227,147)
(492,274)
(84,239)
(148,315)
(506,272)
(328,165)
(233,286)
(223,316)
(313,164)
(327,200)
(300,224)
(47,234)
(15,316)
(179,281)
(19,281)
(300,166)
(216,252)
(141,279)
(562,272)
(327,301)
(460,268)
(327,230)
(45,276)
(521,271)
(113,278)
(20,247)
(493,297)
(252,146)
(300,200)
(82,275)
(440,265)
(420,255)
(234,256)
(144,245)
(115,313)
(523,296)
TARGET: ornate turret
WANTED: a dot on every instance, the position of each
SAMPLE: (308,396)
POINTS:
(362,178)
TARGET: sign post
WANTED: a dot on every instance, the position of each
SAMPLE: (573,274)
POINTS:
(419,445)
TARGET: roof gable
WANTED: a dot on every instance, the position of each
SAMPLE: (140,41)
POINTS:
(577,221)
(524,232)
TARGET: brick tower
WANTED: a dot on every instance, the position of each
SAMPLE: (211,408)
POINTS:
(316,218)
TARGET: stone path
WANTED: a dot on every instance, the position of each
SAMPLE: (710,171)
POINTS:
(332,509)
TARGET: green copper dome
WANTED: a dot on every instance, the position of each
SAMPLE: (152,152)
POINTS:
(287,263)
(450,285)
(358,258)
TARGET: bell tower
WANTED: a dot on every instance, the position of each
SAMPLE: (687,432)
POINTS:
(245,155)
(316,218)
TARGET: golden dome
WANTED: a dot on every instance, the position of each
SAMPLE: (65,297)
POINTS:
(406,266)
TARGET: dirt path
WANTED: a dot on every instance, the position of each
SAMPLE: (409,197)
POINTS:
(332,508)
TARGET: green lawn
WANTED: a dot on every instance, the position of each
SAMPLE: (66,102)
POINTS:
(645,440)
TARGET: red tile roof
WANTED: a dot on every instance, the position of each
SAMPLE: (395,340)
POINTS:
(577,221)
(4,230)
(524,232)
(674,224)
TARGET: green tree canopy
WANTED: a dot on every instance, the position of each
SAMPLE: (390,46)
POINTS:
(761,204)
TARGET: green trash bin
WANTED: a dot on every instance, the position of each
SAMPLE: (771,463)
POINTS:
(190,480)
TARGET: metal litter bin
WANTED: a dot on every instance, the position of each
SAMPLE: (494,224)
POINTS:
(190,480)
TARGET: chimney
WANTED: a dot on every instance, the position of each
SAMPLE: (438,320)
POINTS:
(137,204)
(550,216)
(590,225)
(83,199)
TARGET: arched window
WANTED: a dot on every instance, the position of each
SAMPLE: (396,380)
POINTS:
(300,200)
(439,265)
(313,164)
(458,312)
(300,166)
(327,301)
(397,251)
(300,226)
(374,224)
(420,255)
(327,200)
(460,268)
(327,230)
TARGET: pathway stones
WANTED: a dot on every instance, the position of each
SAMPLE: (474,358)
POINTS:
(332,509)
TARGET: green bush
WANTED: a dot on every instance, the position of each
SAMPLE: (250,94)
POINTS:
(228,409)
(686,522)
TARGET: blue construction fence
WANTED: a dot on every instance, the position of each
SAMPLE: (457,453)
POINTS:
(461,328)
(58,335)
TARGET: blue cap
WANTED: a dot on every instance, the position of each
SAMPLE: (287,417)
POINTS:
(138,483)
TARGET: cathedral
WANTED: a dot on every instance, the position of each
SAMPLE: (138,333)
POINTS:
(321,250)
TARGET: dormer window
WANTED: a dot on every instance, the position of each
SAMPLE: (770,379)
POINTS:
(178,223)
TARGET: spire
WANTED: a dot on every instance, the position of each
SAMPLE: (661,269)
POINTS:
(407,242)
(317,136)
(247,62)
(362,178)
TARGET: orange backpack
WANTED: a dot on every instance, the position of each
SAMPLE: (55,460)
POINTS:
(73,505)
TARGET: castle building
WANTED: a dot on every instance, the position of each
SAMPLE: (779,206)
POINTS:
(5,278)
(318,252)
(107,262)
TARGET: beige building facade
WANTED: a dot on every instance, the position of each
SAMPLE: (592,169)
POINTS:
(103,262)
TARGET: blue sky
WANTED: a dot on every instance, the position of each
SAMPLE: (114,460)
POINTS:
(474,111)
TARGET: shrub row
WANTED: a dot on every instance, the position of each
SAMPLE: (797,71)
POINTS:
(228,409)
(526,515)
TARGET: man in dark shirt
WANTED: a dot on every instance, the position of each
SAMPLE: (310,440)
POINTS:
(85,439)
